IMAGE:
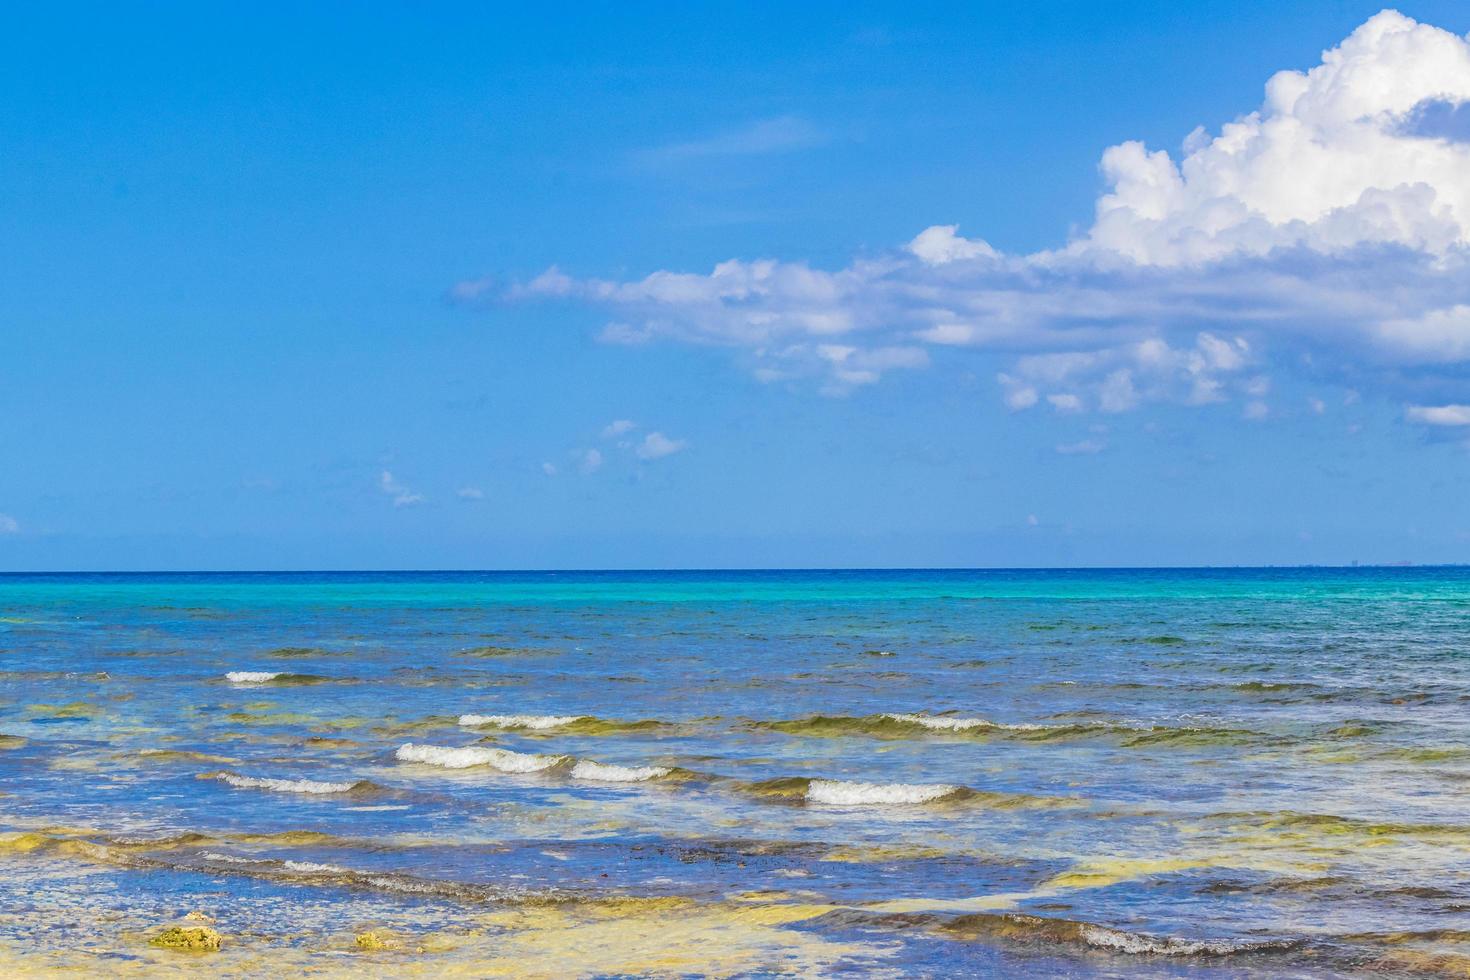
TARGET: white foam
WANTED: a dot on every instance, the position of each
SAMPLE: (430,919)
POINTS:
(252,676)
(942,723)
(300,867)
(285,785)
(476,755)
(842,793)
(605,773)
(311,867)
(1130,942)
(533,722)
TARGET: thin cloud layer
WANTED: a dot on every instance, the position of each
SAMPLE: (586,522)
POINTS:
(1331,223)
(781,134)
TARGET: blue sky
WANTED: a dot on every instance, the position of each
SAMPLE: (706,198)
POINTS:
(371,286)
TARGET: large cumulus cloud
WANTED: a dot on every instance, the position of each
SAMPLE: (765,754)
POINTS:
(1332,223)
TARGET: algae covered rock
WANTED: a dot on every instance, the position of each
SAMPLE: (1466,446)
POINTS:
(199,939)
(373,940)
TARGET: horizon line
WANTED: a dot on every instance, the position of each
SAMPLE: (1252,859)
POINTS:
(736,569)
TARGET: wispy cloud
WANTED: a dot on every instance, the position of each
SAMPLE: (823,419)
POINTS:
(589,461)
(759,137)
(402,495)
(1085,447)
(470,493)
(9,525)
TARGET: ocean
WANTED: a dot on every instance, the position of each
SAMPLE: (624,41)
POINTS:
(1089,773)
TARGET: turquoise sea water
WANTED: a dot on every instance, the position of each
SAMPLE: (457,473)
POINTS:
(1091,773)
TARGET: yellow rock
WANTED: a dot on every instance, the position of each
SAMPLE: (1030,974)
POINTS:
(374,940)
(200,939)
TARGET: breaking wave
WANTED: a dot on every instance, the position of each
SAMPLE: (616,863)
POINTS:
(272,677)
(562,724)
(606,773)
(472,756)
(310,786)
(943,723)
(535,723)
(803,790)
(1016,926)
(836,792)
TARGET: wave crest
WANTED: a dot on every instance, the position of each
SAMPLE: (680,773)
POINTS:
(1038,929)
(1127,734)
(535,723)
(272,677)
(310,786)
(607,773)
(838,792)
(471,756)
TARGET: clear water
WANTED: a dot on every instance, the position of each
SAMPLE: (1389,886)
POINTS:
(1093,773)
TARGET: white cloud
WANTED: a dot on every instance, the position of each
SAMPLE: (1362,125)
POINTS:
(656,445)
(942,244)
(1326,162)
(1085,447)
(470,493)
(1117,379)
(1333,219)
(402,495)
(9,525)
(1317,405)
(589,461)
(549,469)
(617,427)
(1439,414)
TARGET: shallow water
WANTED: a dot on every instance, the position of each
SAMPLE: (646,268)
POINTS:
(1103,773)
